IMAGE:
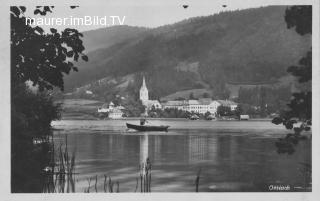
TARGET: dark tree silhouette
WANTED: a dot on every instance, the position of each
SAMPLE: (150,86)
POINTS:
(299,17)
(300,106)
(42,58)
(206,95)
(238,111)
(224,111)
(191,96)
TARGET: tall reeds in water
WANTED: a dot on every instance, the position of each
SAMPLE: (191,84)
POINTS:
(59,176)
(109,186)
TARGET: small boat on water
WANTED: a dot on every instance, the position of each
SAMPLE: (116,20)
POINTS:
(147,127)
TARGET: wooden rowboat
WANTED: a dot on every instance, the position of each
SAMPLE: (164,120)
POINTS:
(147,127)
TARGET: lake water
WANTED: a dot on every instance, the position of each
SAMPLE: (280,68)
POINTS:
(232,155)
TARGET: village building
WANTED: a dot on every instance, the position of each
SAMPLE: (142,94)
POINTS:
(114,112)
(174,105)
(200,106)
(106,107)
(244,117)
(89,92)
(144,97)
(228,103)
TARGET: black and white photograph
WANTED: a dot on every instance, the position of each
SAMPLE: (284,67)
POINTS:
(166,96)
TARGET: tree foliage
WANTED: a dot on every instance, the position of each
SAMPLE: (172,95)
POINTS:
(299,17)
(133,108)
(224,111)
(267,100)
(41,57)
(168,113)
(300,106)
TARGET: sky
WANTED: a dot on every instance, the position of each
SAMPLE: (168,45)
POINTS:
(149,13)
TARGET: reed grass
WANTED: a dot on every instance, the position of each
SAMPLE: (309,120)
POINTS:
(111,186)
(59,176)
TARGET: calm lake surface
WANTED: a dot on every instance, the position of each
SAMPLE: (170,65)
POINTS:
(232,155)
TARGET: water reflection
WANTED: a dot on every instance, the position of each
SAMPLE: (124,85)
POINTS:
(189,149)
(246,161)
(144,148)
(199,149)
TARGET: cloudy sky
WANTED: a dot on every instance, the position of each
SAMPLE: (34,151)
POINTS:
(151,13)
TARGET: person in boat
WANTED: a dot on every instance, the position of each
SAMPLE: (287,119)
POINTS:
(142,121)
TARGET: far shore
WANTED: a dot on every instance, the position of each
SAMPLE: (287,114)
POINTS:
(149,118)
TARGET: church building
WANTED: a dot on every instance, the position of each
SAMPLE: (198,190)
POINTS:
(144,97)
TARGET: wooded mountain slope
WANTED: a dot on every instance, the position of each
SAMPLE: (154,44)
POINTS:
(252,45)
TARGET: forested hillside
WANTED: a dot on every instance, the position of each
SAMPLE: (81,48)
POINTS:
(252,45)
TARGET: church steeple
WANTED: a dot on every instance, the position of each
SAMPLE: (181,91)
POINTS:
(144,95)
(144,83)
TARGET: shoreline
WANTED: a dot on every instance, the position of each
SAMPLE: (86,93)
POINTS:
(174,119)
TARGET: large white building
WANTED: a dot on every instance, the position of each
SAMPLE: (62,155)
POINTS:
(180,105)
(144,97)
(200,106)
